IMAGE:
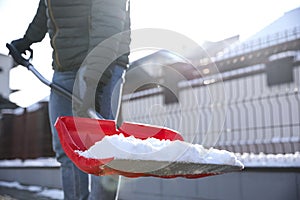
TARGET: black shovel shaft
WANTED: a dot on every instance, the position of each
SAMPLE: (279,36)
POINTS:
(54,86)
(57,88)
(26,63)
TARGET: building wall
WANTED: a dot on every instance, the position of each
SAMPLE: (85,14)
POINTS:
(5,65)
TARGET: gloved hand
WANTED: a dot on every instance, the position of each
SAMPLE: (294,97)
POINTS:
(22,44)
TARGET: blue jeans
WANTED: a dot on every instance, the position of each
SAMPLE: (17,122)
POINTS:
(75,182)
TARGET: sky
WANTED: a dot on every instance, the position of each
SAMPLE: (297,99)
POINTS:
(198,20)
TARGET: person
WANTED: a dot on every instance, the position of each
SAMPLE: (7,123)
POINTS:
(76,28)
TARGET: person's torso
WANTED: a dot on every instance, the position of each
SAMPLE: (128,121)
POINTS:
(77,26)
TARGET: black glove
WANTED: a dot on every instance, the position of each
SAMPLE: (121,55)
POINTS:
(22,44)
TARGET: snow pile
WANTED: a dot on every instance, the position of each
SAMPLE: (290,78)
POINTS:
(131,148)
(39,162)
(52,193)
(19,186)
(270,160)
(40,191)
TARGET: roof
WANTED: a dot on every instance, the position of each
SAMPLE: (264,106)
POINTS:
(288,21)
(284,29)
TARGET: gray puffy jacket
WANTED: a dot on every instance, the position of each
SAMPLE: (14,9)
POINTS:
(75,27)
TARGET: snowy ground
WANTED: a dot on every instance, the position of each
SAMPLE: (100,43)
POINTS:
(35,190)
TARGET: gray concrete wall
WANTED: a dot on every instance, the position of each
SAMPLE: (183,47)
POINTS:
(251,184)
(40,176)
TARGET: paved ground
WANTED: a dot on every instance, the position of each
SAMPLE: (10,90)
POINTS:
(15,194)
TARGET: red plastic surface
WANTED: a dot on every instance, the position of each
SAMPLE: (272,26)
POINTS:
(80,133)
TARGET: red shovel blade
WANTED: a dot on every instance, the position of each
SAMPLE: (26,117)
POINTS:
(81,133)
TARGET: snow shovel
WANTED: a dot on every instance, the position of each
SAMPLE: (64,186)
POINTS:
(79,134)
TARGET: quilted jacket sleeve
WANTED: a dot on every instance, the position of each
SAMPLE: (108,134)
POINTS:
(37,29)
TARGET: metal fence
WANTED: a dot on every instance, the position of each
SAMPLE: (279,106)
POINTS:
(240,109)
